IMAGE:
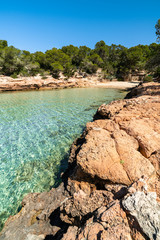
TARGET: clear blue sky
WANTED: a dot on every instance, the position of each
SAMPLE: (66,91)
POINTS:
(40,25)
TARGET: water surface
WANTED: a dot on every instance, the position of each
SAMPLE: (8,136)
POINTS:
(36,131)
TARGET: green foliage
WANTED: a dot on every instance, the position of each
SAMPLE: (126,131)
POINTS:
(102,50)
(153,63)
(44,77)
(157,26)
(70,50)
(88,67)
(56,68)
(96,59)
(114,61)
(122,161)
(3,44)
(157,72)
(14,75)
(33,68)
(69,70)
(79,56)
(40,58)
(10,62)
(56,55)
(148,78)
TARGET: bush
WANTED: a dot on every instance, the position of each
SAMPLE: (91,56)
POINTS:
(68,70)
(148,78)
(89,67)
(44,77)
(14,75)
(108,76)
(24,73)
(157,72)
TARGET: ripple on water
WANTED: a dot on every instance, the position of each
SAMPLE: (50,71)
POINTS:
(37,129)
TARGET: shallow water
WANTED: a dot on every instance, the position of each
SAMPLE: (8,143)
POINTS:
(36,131)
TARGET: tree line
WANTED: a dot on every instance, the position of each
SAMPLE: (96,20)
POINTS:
(115,60)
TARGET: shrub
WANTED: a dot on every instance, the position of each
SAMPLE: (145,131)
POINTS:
(89,67)
(120,79)
(148,78)
(24,73)
(14,75)
(44,77)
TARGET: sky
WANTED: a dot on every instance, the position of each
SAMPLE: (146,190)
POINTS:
(41,25)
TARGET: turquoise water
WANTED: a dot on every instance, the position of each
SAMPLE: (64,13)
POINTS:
(37,129)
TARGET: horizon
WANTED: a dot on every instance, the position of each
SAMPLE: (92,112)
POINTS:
(35,26)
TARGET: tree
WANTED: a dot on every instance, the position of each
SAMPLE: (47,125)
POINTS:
(56,55)
(102,50)
(153,63)
(96,59)
(3,44)
(157,26)
(40,57)
(56,68)
(70,50)
(82,53)
(88,67)
(10,60)
(69,70)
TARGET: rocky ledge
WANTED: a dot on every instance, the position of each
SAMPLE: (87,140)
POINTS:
(39,83)
(111,189)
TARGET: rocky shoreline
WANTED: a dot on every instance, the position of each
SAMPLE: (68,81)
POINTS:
(111,189)
(38,83)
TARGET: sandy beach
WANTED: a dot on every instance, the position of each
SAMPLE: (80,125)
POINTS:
(120,85)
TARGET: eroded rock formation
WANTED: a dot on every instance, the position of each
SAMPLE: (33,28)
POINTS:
(111,189)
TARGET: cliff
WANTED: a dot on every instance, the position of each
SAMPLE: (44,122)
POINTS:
(111,189)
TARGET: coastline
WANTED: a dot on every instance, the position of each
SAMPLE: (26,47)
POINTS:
(111,189)
(37,83)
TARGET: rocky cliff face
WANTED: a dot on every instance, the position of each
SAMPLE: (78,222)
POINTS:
(111,189)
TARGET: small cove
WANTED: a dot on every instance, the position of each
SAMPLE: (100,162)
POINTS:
(37,129)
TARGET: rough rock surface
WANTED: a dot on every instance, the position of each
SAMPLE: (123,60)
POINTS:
(146,210)
(34,220)
(151,89)
(111,189)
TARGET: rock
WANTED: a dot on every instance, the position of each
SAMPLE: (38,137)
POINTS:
(120,149)
(151,88)
(38,83)
(98,157)
(71,233)
(33,221)
(149,142)
(146,210)
(111,224)
(91,231)
(82,204)
(34,237)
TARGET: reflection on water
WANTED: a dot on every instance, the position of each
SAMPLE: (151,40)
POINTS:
(37,129)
